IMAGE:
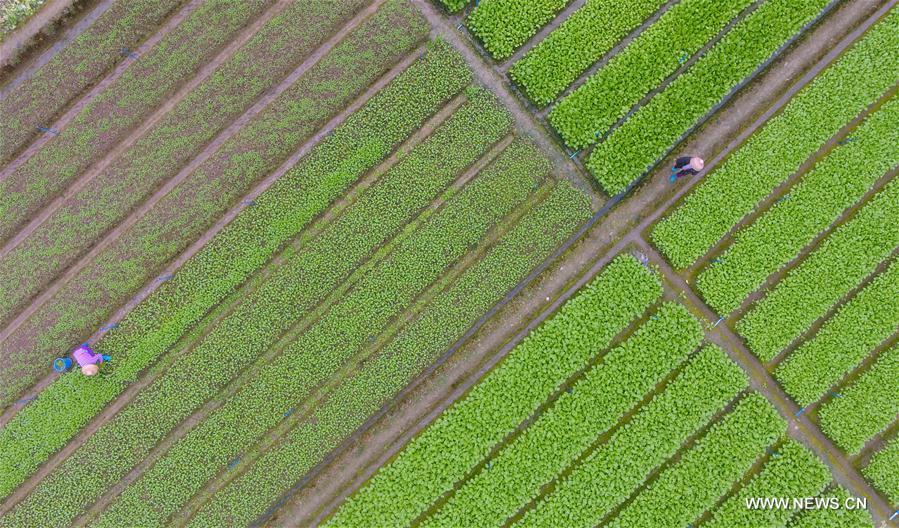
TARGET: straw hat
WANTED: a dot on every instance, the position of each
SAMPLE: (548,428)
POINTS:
(90,370)
(697,163)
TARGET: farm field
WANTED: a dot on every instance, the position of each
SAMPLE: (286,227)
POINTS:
(423,263)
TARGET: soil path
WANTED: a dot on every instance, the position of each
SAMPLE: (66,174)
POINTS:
(22,36)
(359,457)
(244,202)
(525,121)
(79,103)
(15,43)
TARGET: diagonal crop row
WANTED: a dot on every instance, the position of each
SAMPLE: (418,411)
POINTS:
(319,351)
(466,432)
(190,208)
(647,136)
(866,407)
(615,469)
(817,201)
(842,517)
(605,393)
(124,104)
(41,97)
(288,295)
(793,472)
(159,155)
(504,25)
(772,154)
(591,31)
(840,263)
(416,346)
(589,111)
(881,471)
(226,261)
(843,341)
(707,469)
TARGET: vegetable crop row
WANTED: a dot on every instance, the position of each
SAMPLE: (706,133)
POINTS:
(159,155)
(843,341)
(465,433)
(287,295)
(321,350)
(707,469)
(865,408)
(589,111)
(833,517)
(591,31)
(227,260)
(840,263)
(504,25)
(124,104)
(415,347)
(608,476)
(650,133)
(572,423)
(13,13)
(772,154)
(881,471)
(793,471)
(778,236)
(40,98)
(257,149)
(454,5)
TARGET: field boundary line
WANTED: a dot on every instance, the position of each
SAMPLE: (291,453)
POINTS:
(616,247)
(801,428)
(26,68)
(75,105)
(224,220)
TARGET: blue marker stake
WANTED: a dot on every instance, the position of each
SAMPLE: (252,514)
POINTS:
(683,58)
(233,463)
(50,131)
(249,202)
(127,53)
(799,413)
(895,514)
(26,400)
(167,276)
(288,412)
(110,326)
(717,322)
(574,154)
(836,394)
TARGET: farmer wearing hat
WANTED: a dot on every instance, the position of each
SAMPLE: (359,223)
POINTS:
(686,166)
(88,360)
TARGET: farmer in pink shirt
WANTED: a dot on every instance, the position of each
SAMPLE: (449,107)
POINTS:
(88,360)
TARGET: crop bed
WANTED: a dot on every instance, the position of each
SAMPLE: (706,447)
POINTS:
(369,238)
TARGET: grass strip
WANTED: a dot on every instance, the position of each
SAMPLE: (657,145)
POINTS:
(707,469)
(793,472)
(38,100)
(866,407)
(591,31)
(193,206)
(842,517)
(840,263)
(287,295)
(158,156)
(648,135)
(504,25)
(319,352)
(124,104)
(416,346)
(280,213)
(881,471)
(844,341)
(563,432)
(589,111)
(842,91)
(817,201)
(608,475)
(465,433)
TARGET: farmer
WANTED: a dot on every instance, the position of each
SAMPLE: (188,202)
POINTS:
(686,166)
(88,360)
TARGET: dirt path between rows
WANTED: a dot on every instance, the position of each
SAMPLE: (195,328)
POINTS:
(80,102)
(356,460)
(16,45)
